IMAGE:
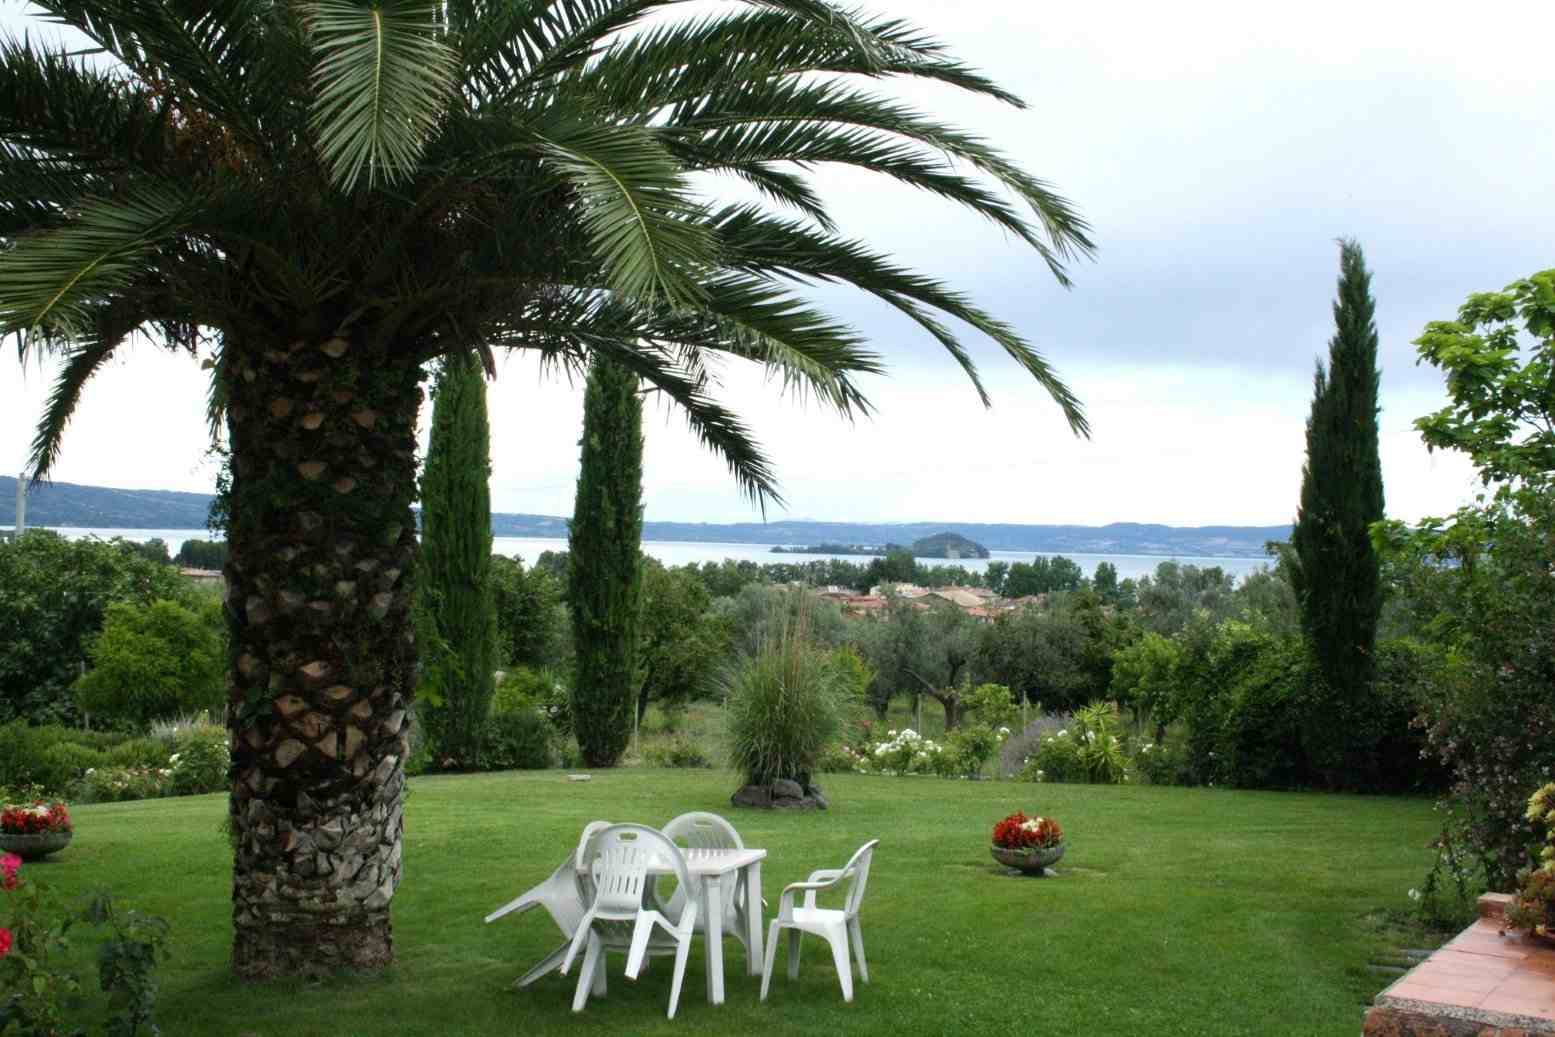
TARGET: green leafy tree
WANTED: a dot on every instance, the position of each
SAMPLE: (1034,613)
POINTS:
(325,196)
(1177,594)
(1478,581)
(896,566)
(202,554)
(1105,582)
(604,589)
(1334,568)
(456,585)
(54,597)
(681,640)
(152,662)
(1499,360)
(531,618)
(1043,575)
(994,576)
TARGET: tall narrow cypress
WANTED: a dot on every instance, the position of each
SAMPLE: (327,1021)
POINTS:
(456,559)
(1336,576)
(604,568)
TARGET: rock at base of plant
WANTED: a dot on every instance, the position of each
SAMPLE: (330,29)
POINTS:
(752,796)
(785,789)
(781,795)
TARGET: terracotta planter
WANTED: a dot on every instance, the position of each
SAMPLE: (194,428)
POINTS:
(34,847)
(1031,860)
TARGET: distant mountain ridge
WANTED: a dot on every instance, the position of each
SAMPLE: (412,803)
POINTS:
(69,504)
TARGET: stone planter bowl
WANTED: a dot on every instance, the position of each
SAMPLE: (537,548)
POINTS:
(1031,860)
(34,847)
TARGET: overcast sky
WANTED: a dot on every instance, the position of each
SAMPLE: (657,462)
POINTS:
(1217,150)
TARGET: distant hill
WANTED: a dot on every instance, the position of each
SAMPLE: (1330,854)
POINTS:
(68,504)
(100,507)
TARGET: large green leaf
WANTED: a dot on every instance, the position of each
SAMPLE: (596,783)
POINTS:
(383,78)
(50,279)
(635,203)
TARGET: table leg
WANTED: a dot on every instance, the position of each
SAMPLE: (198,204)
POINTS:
(753,958)
(712,905)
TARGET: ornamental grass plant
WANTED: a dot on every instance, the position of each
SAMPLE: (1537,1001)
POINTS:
(784,704)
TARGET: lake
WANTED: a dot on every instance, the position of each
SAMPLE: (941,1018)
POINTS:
(672,552)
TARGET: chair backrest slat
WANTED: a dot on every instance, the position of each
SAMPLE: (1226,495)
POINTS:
(857,869)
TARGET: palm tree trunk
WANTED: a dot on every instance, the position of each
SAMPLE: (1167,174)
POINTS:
(322,546)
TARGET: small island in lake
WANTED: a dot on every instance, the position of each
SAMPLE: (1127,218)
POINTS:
(940,545)
(948,545)
(837,549)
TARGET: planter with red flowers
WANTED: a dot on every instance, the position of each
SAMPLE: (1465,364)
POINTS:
(35,830)
(1030,844)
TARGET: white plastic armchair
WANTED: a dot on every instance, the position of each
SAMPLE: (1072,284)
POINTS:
(562,897)
(703,831)
(618,860)
(838,928)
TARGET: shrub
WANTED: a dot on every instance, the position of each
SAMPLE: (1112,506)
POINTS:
(521,688)
(154,661)
(1090,750)
(37,966)
(517,740)
(139,752)
(1164,762)
(784,705)
(64,762)
(117,784)
(50,756)
(836,759)
(202,763)
(1534,907)
(678,751)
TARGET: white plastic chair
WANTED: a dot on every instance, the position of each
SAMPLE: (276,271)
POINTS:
(618,860)
(703,831)
(562,897)
(837,927)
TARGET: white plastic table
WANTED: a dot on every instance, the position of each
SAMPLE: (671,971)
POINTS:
(712,868)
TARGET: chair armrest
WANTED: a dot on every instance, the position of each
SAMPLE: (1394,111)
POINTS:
(819,880)
(518,904)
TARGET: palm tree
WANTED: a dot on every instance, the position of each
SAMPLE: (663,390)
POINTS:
(328,194)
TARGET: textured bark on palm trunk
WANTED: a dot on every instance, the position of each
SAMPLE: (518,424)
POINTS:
(322,550)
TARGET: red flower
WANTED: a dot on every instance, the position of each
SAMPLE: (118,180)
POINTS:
(5,942)
(33,820)
(1018,831)
(10,864)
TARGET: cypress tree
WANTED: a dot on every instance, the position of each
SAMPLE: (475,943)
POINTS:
(457,606)
(604,567)
(1336,575)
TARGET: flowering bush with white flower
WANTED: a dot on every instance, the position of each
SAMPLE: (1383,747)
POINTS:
(900,752)
(1091,750)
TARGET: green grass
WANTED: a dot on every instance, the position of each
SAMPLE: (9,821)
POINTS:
(1178,911)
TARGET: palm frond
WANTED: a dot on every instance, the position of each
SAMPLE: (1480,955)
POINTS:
(716,427)
(807,350)
(382,79)
(753,241)
(677,63)
(50,279)
(636,207)
(508,47)
(204,51)
(807,121)
(80,362)
(92,118)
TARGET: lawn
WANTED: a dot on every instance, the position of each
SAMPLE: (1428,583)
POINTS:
(1178,911)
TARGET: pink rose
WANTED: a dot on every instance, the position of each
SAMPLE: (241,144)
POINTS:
(5,942)
(10,864)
